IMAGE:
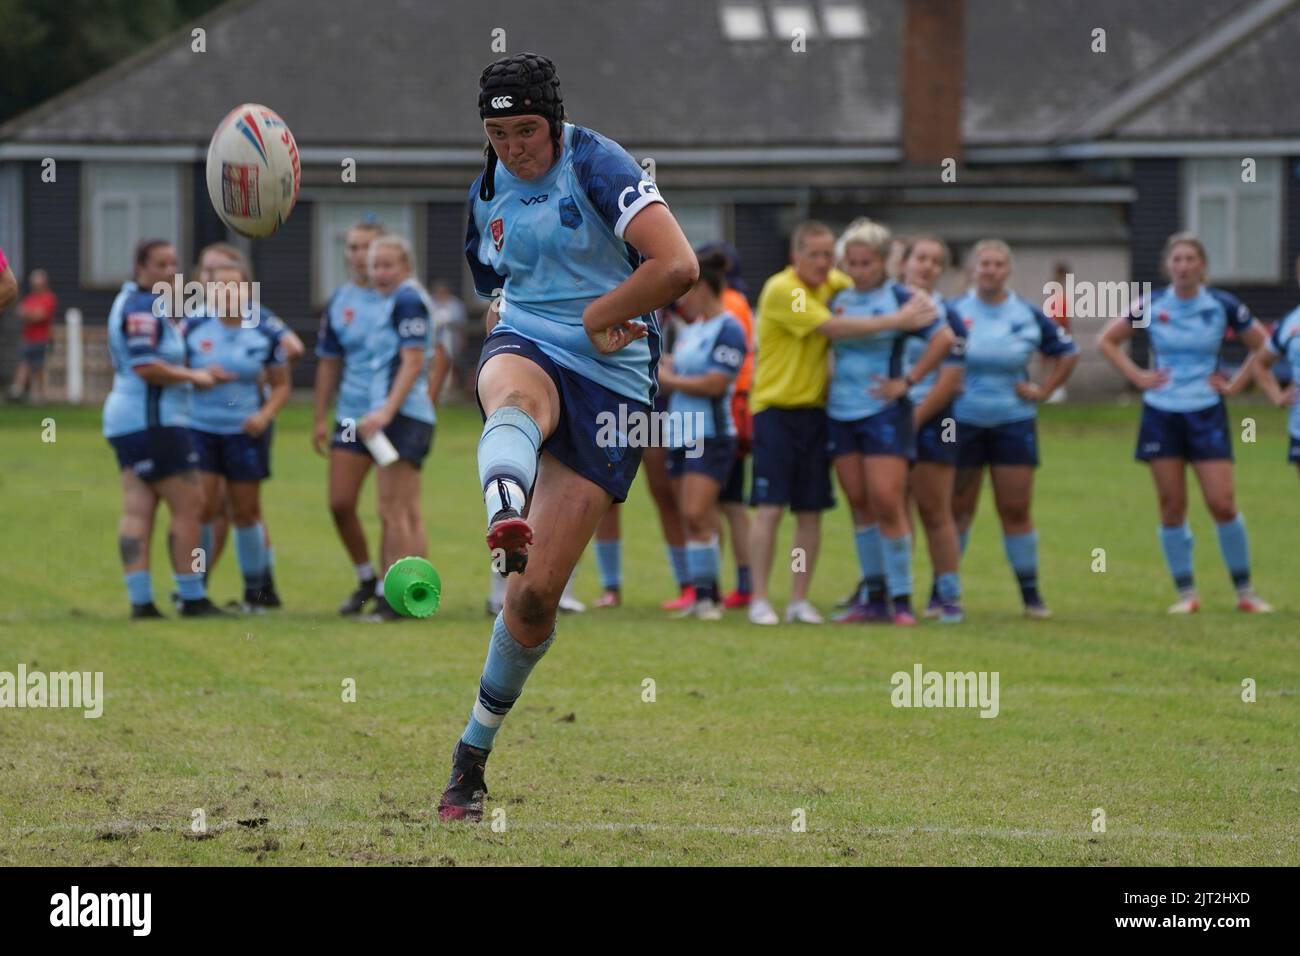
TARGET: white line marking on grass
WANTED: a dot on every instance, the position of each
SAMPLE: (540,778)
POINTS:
(1017,833)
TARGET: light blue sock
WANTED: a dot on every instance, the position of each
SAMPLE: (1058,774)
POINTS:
(962,538)
(270,557)
(139,587)
(1177,545)
(190,586)
(1022,555)
(702,563)
(871,555)
(508,448)
(677,558)
(205,542)
(898,564)
(609,557)
(1235,550)
(506,669)
(250,545)
(949,586)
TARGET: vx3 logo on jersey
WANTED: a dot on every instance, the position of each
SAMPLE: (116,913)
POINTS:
(534,200)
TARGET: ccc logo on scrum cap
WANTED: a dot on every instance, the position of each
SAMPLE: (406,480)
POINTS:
(502,102)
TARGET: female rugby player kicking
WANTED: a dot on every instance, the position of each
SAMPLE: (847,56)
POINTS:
(563,222)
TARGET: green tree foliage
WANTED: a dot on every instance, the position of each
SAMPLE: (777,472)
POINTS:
(47,46)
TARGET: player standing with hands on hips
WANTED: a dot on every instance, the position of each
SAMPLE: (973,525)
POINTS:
(1184,416)
(583,249)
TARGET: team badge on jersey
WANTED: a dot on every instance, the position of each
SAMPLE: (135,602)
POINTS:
(206,345)
(349,315)
(570,216)
(498,229)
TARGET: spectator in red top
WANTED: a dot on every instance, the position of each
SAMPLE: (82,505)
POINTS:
(1058,310)
(37,314)
(8,284)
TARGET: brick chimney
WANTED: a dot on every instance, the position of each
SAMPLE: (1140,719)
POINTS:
(933,80)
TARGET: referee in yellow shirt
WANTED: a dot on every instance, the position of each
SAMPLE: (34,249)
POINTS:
(791,465)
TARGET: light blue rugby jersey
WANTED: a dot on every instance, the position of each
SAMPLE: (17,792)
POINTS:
(1186,336)
(1000,340)
(405,321)
(344,329)
(136,336)
(1285,341)
(915,347)
(245,351)
(556,244)
(710,345)
(859,360)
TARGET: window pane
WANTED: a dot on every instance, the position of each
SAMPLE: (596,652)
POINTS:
(1257,232)
(127,202)
(334,219)
(787,19)
(112,253)
(157,219)
(1212,225)
(742,22)
(845,21)
(1217,172)
(700,222)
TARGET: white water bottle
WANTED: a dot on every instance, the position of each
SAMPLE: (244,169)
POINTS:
(381,448)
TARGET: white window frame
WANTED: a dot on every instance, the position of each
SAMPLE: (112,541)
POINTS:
(167,182)
(328,274)
(1268,185)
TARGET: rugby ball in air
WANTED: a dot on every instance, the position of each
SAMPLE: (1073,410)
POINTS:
(253,171)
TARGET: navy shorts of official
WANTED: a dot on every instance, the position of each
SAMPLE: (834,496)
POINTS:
(712,456)
(237,457)
(1293,453)
(1015,443)
(930,446)
(888,432)
(156,453)
(584,406)
(733,489)
(411,437)
(1193,436)
(791,466)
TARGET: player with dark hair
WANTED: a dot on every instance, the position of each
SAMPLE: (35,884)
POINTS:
(931,478)
(701,377)
(146,419)
(582,250)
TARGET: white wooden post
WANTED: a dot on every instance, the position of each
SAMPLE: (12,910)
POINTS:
(76,368)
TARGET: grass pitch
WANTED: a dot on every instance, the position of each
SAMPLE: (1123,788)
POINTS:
(1111,705)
